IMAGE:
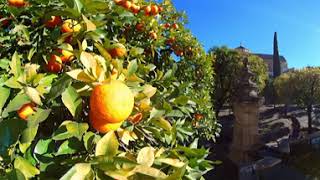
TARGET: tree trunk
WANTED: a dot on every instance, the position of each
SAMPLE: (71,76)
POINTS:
(309,111)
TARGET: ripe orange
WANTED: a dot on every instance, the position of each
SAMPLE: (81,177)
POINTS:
(135,9)
(26,110)
(66,53)
(154,10)
(54,64)
(135,119)
(70,25)
(166,25)
(117,50)
(198,116)
(175,26)
(178,52)
(17,3)
(53,22)
(126,4)
(153,35)
(170,41)
(106,127)
(140,27)
(110,103)
(147,10)
(160,9)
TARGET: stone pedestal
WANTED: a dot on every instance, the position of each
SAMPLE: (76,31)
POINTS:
(245,104)
(245,131)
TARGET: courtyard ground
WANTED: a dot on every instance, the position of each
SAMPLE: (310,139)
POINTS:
(274,128)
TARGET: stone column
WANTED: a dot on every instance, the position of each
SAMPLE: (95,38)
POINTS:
(246,104)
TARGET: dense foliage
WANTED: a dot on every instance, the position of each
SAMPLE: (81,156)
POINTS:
(54,52)
(227,65)
(300,87)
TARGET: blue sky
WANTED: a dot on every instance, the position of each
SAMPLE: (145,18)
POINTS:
(253,22)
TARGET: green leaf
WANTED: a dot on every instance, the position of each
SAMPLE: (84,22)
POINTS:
(4,95)
(78,5)
(33,94)
(72,101)
(80,75)
(181,100)
(13,83)
(15,104)
(24,147)
(175,113)
(4,64)
(149,90)
(178,174)
(77,129)
(29,134)
(172,162)
(146,156)
(43,146)
(80,171)
(89,139)
(69,146)
(167,75)
(15,174)
(132,68)
(136,51)
(25,167)
(89,24)
(38,117)
(103,52)
(155,113)
(10,132)
(163,123)
(15,65)
(108,145)
(89,62)
(149,171)
(69,129)
(31,53)
(59,87)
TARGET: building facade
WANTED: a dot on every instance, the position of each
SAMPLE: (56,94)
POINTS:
(268,59)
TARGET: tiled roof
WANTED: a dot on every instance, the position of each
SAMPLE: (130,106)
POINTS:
(270,56)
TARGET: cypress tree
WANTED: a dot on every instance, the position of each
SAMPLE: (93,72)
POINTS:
(276,58)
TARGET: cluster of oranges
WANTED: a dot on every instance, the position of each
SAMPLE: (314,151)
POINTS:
(54,64)
(149,10)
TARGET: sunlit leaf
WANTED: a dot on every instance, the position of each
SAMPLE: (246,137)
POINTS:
(15,65)
(90,25)
(25,167)
(59,87)
(132,68)
(108,145)
(4,95)
(81,171)
(39,116)
(146,156)
(33,95)
(72,100)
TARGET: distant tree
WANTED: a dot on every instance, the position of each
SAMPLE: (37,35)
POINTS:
(276,59)
(301,87)
(284,89)
(227,65)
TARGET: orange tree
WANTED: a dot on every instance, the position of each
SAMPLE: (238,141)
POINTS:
(101,89)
